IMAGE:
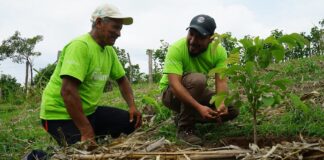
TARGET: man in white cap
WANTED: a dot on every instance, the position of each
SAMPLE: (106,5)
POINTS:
(184,82)
(69,110)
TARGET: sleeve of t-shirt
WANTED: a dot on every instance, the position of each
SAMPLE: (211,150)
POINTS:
(173,62)
(117,70)
(221,57)
(76,60)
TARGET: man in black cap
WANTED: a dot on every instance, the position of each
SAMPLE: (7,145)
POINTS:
(184,83)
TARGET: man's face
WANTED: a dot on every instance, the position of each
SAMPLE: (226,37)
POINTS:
(109,31)
(196,42)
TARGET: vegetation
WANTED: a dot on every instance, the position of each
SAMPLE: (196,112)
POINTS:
(260,90)
(21,50)
(256,84)
(21,130)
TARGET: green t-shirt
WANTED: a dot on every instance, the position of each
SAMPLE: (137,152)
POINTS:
(86,61)
(178,61)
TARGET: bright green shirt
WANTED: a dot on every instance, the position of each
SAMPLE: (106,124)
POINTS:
(86,61)
(178,61)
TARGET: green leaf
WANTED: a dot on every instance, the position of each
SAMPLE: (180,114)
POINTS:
(264,58)
(250,53)
(281,83)
(267,101)
(233,58)
(300,39)
(298,103)
(270,40)
(218,99)
(233,70)
(268,76)
(249,67)
(289,40)
(258,43)
(293,39)
(247,43)
(278,54)
(219,70)
(149,100)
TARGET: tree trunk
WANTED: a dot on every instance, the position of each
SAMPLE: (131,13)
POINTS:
(0,95)
(150,76)
(254,127)
(130,69)
(26,77)
(31,74)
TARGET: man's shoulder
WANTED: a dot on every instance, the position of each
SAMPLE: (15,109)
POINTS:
(83,38)
(178,46)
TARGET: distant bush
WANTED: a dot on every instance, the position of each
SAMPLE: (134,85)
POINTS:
(43,75)
(10,90)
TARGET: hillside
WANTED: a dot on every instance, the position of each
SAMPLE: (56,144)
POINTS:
(21,130)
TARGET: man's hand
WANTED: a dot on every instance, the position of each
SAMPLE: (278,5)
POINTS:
(134,112)
(207,113)
(222,110)
(87,134)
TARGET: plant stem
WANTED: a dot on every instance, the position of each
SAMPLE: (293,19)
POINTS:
(254,127)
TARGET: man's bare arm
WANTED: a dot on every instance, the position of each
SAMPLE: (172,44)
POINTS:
(73,105)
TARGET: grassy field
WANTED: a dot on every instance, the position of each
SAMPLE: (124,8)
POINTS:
(20,129)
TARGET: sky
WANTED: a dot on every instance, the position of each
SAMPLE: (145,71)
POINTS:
(60,21)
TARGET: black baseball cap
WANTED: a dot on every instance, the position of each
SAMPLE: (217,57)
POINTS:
(204,24)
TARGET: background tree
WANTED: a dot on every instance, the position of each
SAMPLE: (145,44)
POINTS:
(229,42)
(21,50)
(132,70)
(158,60)
(316,37)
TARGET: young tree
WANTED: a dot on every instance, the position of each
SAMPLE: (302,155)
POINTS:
(21,50)
(259,86)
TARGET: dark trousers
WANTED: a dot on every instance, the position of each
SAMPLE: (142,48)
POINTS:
(196,85)
(105,121)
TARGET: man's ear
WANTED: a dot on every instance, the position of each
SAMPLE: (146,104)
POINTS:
(98,21)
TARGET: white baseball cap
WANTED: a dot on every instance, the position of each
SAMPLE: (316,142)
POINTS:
(111,11)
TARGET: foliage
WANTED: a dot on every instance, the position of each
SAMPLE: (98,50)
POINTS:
(21,50)
(162,112)
(159,56)
(132,70)
(43,75)
(21,130)
(257,55)
(229,42)
(10,90)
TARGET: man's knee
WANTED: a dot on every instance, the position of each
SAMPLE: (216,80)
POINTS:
(197,81)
